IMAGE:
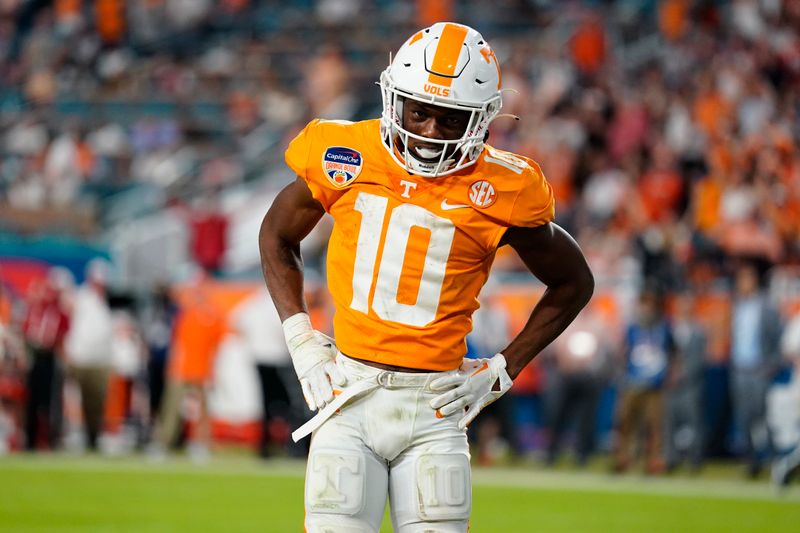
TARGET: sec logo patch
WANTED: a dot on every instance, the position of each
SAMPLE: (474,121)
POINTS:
(341,165)
(482,194)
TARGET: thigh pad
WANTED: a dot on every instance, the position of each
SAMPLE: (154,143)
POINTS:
(443,487)
(335,482)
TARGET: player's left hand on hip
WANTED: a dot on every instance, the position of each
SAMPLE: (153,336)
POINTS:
(477,383)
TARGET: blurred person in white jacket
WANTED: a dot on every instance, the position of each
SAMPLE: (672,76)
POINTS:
(788,466)
(88,347)
(257,321)
(127,353)
(575,382)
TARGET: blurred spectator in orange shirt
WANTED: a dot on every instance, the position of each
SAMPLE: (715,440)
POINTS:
(5,306)
(661,188)
(707,193)
(588,45)
(84,158)
(560,163)
(432,11)
(110,20)
(672,18)
(787,210)
(198,330)
(711,111)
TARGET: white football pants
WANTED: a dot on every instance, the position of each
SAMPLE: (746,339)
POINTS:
(388,442)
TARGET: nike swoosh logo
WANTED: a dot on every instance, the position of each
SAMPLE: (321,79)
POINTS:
(481,369)
(448,207)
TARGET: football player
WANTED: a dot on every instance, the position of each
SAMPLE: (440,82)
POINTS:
(420,205)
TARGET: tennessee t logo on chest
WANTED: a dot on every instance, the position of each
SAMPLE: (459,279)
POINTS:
(407,186)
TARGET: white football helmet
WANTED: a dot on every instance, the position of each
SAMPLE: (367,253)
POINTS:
(448,65)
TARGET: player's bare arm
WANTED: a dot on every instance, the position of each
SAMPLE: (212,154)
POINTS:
(293,214)
(555,258)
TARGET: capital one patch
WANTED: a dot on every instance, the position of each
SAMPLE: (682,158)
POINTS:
(341,165)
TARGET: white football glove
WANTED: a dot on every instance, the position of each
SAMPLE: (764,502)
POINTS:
(314,359)
(476,384)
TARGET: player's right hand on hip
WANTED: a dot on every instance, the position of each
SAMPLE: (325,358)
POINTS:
(314,359)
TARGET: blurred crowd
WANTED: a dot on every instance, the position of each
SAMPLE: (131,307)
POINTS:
(87,367)
(90,367)
(63,334)
(668,128)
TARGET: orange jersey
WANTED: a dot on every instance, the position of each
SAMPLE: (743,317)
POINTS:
(199,328)
(408,255)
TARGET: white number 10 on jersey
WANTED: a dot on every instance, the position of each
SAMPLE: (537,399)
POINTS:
(401,220)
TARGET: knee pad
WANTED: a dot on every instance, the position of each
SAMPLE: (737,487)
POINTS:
(443,489)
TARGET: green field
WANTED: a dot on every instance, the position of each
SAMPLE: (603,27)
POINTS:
(62,493)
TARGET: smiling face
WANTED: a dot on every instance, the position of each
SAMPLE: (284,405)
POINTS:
(433,122)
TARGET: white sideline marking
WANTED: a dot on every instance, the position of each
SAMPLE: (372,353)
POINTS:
(631,484)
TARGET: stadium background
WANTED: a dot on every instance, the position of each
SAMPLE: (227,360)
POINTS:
(151,133)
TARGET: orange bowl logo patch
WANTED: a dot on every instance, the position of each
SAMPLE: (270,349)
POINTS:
(341,165)
(482,194)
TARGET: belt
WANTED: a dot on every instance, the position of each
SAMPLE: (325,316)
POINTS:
(367,379)
(356,389)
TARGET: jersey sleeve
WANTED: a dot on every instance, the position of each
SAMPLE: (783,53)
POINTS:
(299,150)
(304,156)
(535,203)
